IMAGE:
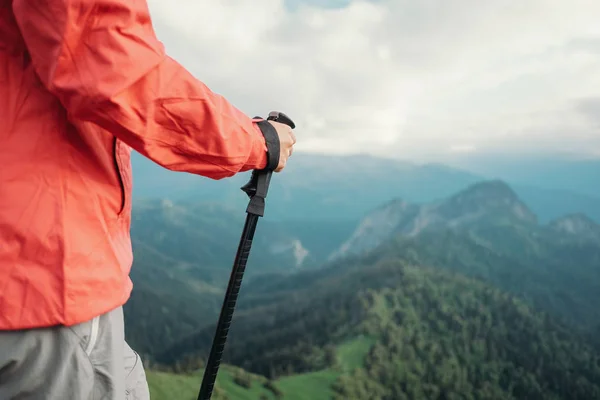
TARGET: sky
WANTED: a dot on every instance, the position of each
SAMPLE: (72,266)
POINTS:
(425,80)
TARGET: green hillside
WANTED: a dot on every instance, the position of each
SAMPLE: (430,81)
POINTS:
(236,384)
(167,302)
(182,261)
(167,386)
(465,298)
(445,336)
(435,334)
(555,274)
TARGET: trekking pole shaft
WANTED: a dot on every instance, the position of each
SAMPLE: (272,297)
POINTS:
(256,189)
(233,288)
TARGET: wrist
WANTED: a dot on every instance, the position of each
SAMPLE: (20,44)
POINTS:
(271,139)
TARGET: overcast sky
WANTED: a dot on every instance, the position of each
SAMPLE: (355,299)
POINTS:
(422,80)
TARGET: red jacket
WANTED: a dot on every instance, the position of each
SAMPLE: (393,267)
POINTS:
(81,83)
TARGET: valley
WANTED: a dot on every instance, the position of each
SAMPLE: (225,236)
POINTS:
(471,294)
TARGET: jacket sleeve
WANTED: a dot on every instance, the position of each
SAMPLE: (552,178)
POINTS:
(102,60)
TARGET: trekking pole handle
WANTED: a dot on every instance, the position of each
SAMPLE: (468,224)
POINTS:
(258,185)
(281,118)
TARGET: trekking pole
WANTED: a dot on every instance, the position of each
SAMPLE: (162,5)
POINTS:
(256,189)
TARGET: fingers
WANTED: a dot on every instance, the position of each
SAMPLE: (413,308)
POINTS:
(287,141)
(281,166)
(290,146)
(293,137)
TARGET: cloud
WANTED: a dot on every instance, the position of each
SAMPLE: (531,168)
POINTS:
(411,78)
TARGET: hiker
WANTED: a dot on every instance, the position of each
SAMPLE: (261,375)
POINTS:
(81,84)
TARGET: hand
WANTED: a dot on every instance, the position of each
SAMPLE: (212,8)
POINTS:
(287,140)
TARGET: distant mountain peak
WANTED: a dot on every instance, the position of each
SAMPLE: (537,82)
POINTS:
(483,202)
(486,197)
(494,188)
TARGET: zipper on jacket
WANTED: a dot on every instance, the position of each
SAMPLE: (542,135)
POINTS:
(122,185)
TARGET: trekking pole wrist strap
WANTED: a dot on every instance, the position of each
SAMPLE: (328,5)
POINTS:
(272,141)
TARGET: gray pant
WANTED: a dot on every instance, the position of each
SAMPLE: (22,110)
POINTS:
(88,361)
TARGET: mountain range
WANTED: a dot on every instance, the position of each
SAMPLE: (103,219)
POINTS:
(487,232)
(566,172)
(468,295)
(344,188)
